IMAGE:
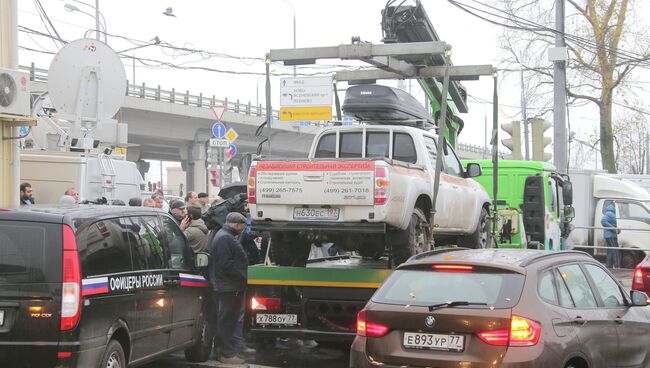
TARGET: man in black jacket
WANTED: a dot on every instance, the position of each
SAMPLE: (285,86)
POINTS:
(228,268)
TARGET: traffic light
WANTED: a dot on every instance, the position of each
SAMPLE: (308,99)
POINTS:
(214,178)
(514,142)
(539,126)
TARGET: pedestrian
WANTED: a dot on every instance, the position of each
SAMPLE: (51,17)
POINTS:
(160,201)
(195,230)
(178,210)
(26,192)
(228,268)
(74,193)
(192,199)
(204,201)
(135,202)
(608,221)
(149,202)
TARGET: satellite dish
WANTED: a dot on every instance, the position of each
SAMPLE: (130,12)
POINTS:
(87,81)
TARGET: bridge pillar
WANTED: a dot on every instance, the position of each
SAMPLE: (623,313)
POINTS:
(197,174)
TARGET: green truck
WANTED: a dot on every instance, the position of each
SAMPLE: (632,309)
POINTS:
(533,203)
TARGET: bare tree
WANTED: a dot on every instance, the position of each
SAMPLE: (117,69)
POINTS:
(606,43)
(630,137)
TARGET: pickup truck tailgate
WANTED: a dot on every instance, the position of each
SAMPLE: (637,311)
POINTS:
(315,182)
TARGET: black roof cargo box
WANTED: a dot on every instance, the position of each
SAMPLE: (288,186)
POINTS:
(377,104)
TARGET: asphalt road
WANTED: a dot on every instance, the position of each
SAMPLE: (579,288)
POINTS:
(295,354)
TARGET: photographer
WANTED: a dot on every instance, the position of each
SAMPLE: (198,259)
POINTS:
(195,230)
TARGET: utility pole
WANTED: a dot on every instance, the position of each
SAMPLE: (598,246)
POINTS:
(524,119)
(559,92)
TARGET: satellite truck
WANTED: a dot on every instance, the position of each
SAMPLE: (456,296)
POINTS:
(77,143)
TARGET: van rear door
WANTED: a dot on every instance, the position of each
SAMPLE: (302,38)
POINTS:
(30,292)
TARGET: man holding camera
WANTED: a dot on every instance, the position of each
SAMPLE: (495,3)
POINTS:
(195,230)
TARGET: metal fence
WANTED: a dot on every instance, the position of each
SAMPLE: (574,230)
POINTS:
(630,256)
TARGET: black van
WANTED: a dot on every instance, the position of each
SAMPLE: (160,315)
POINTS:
(98,286)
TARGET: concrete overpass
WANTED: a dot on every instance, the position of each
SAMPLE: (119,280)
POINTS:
(175,126)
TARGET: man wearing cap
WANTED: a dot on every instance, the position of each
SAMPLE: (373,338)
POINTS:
(204,202)
(177,210)
(228,267)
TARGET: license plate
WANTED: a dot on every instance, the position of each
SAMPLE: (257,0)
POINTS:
(276,319)
(434,341)
(301,213)
(2,318)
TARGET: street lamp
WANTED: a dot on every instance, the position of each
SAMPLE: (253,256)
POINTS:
(72,8)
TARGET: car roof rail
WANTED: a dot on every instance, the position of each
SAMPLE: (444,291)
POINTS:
(434,252)
(540,257)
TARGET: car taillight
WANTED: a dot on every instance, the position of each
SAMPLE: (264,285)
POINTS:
(369,329)
(252,176)
(265,304)
(453,268)
(382,184)
(638,281)
(523,332)
(71,282)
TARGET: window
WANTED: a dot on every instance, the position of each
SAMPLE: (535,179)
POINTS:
(350,145)
(453,165)
(576,281)
(179,256)
(377,144)
(326,146)
(403,148)
(562,291)
(144,238)
(608,289)
(633,211)
(105,248)
(29,253)
(425,287)
(430,144)
(546,287)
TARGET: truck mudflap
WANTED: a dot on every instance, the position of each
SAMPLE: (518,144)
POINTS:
(329,227)
(318,302)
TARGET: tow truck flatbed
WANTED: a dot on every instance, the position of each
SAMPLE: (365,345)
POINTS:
(320,301)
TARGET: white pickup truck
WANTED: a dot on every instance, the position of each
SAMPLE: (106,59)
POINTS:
(366,187)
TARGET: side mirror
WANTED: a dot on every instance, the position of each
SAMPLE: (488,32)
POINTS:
(567,193)
(639,298)
(474,170)
(201,260)
(569,213)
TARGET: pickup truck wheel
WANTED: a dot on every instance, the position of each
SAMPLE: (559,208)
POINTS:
(202,348)
(481,236)
(418,239)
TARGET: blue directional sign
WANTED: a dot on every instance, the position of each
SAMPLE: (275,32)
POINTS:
(218,130)
(231,151)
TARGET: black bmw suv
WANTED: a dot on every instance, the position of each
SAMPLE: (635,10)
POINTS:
(98,286)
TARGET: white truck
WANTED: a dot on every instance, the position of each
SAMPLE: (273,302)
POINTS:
(594,191)
(52,173)
(368,187)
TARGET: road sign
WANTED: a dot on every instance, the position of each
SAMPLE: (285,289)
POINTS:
(306,113)
(306,91)
(218,112)
(231,151)
(219,142)
(231,135)
(218,130)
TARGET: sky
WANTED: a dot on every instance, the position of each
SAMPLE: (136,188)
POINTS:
(250,28)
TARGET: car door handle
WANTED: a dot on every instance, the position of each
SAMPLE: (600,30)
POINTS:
(171,280)
(579,321)
(618,320)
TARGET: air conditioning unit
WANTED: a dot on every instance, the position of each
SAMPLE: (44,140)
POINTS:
(14,92)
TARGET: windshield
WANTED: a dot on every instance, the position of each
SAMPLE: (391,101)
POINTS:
(498,289)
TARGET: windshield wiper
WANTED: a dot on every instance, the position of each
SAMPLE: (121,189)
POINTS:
(457,303)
